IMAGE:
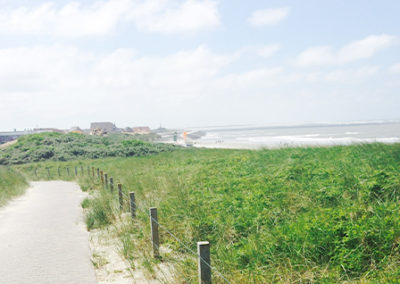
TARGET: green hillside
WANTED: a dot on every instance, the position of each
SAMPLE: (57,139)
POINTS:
(287,215)
(65,147)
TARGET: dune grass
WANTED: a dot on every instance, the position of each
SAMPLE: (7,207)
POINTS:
(287,215)
(12,184)
(73,146)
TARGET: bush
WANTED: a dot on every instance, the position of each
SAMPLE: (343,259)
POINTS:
(65,147)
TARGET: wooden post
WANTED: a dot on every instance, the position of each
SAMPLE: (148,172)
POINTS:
(93,171)
(88,171)
(68,171)
(58,170)
(111,184)
(121,201)
(98,172)
(82,170)
(48,172)
(36,172)
(106,180)
(203,252)
(102,177)
(154,232)
(76,171)
(133,204)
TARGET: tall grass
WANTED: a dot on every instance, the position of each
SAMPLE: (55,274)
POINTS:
(12,184)
(285,215)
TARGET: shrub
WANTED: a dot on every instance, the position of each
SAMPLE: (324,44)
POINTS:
(65,147)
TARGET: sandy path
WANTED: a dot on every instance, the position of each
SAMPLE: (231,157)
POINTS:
(5,145)
(43,238)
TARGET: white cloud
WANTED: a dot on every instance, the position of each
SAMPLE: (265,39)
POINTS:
(266,17)
(51,86)
(173,17)
(62,86)
(72,20)
(351,75)
(318,55)
(175,78)
(268,50)
(253,80)
(364,48)
(57,81)
(357,50)
(100,18)
(395,68)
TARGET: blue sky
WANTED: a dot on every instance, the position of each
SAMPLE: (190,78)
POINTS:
(192,62)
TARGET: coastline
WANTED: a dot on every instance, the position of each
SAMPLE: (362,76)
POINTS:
(240,145)
(273,137)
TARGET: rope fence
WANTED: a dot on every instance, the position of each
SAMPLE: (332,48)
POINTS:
(205,269)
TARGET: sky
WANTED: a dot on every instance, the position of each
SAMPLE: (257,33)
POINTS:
(181,63)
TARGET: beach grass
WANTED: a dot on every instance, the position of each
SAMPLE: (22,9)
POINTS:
(74,146)
(12,184)
(317,214)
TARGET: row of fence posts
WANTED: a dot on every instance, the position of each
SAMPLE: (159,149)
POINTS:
(203,248)
(68,171)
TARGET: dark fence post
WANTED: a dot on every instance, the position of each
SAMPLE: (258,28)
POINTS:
(35,172)
(48,172)
(76,171)
(82,170)
(111,184)
(154,232)
(121,201)
(98,172)
(68,171)
(58,170)
(106,180)
(102,177)
(203,252)
(133,204)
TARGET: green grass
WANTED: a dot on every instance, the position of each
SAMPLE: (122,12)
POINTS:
(12,184)
(102,211)
(66,147)
(286,215)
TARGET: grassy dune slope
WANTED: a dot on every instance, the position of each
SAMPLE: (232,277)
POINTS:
(297,214)
(12,184)
(66,147)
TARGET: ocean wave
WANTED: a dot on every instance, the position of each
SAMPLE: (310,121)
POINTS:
(303,140)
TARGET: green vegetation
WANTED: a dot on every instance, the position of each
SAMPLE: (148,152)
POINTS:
(12,184)
(65,147)
(101,211)
(286,215)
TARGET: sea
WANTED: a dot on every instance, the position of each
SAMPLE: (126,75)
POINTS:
(252,136)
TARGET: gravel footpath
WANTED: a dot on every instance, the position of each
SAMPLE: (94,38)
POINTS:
(43,238)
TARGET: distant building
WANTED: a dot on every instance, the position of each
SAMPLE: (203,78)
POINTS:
(141,130)
(103,127)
